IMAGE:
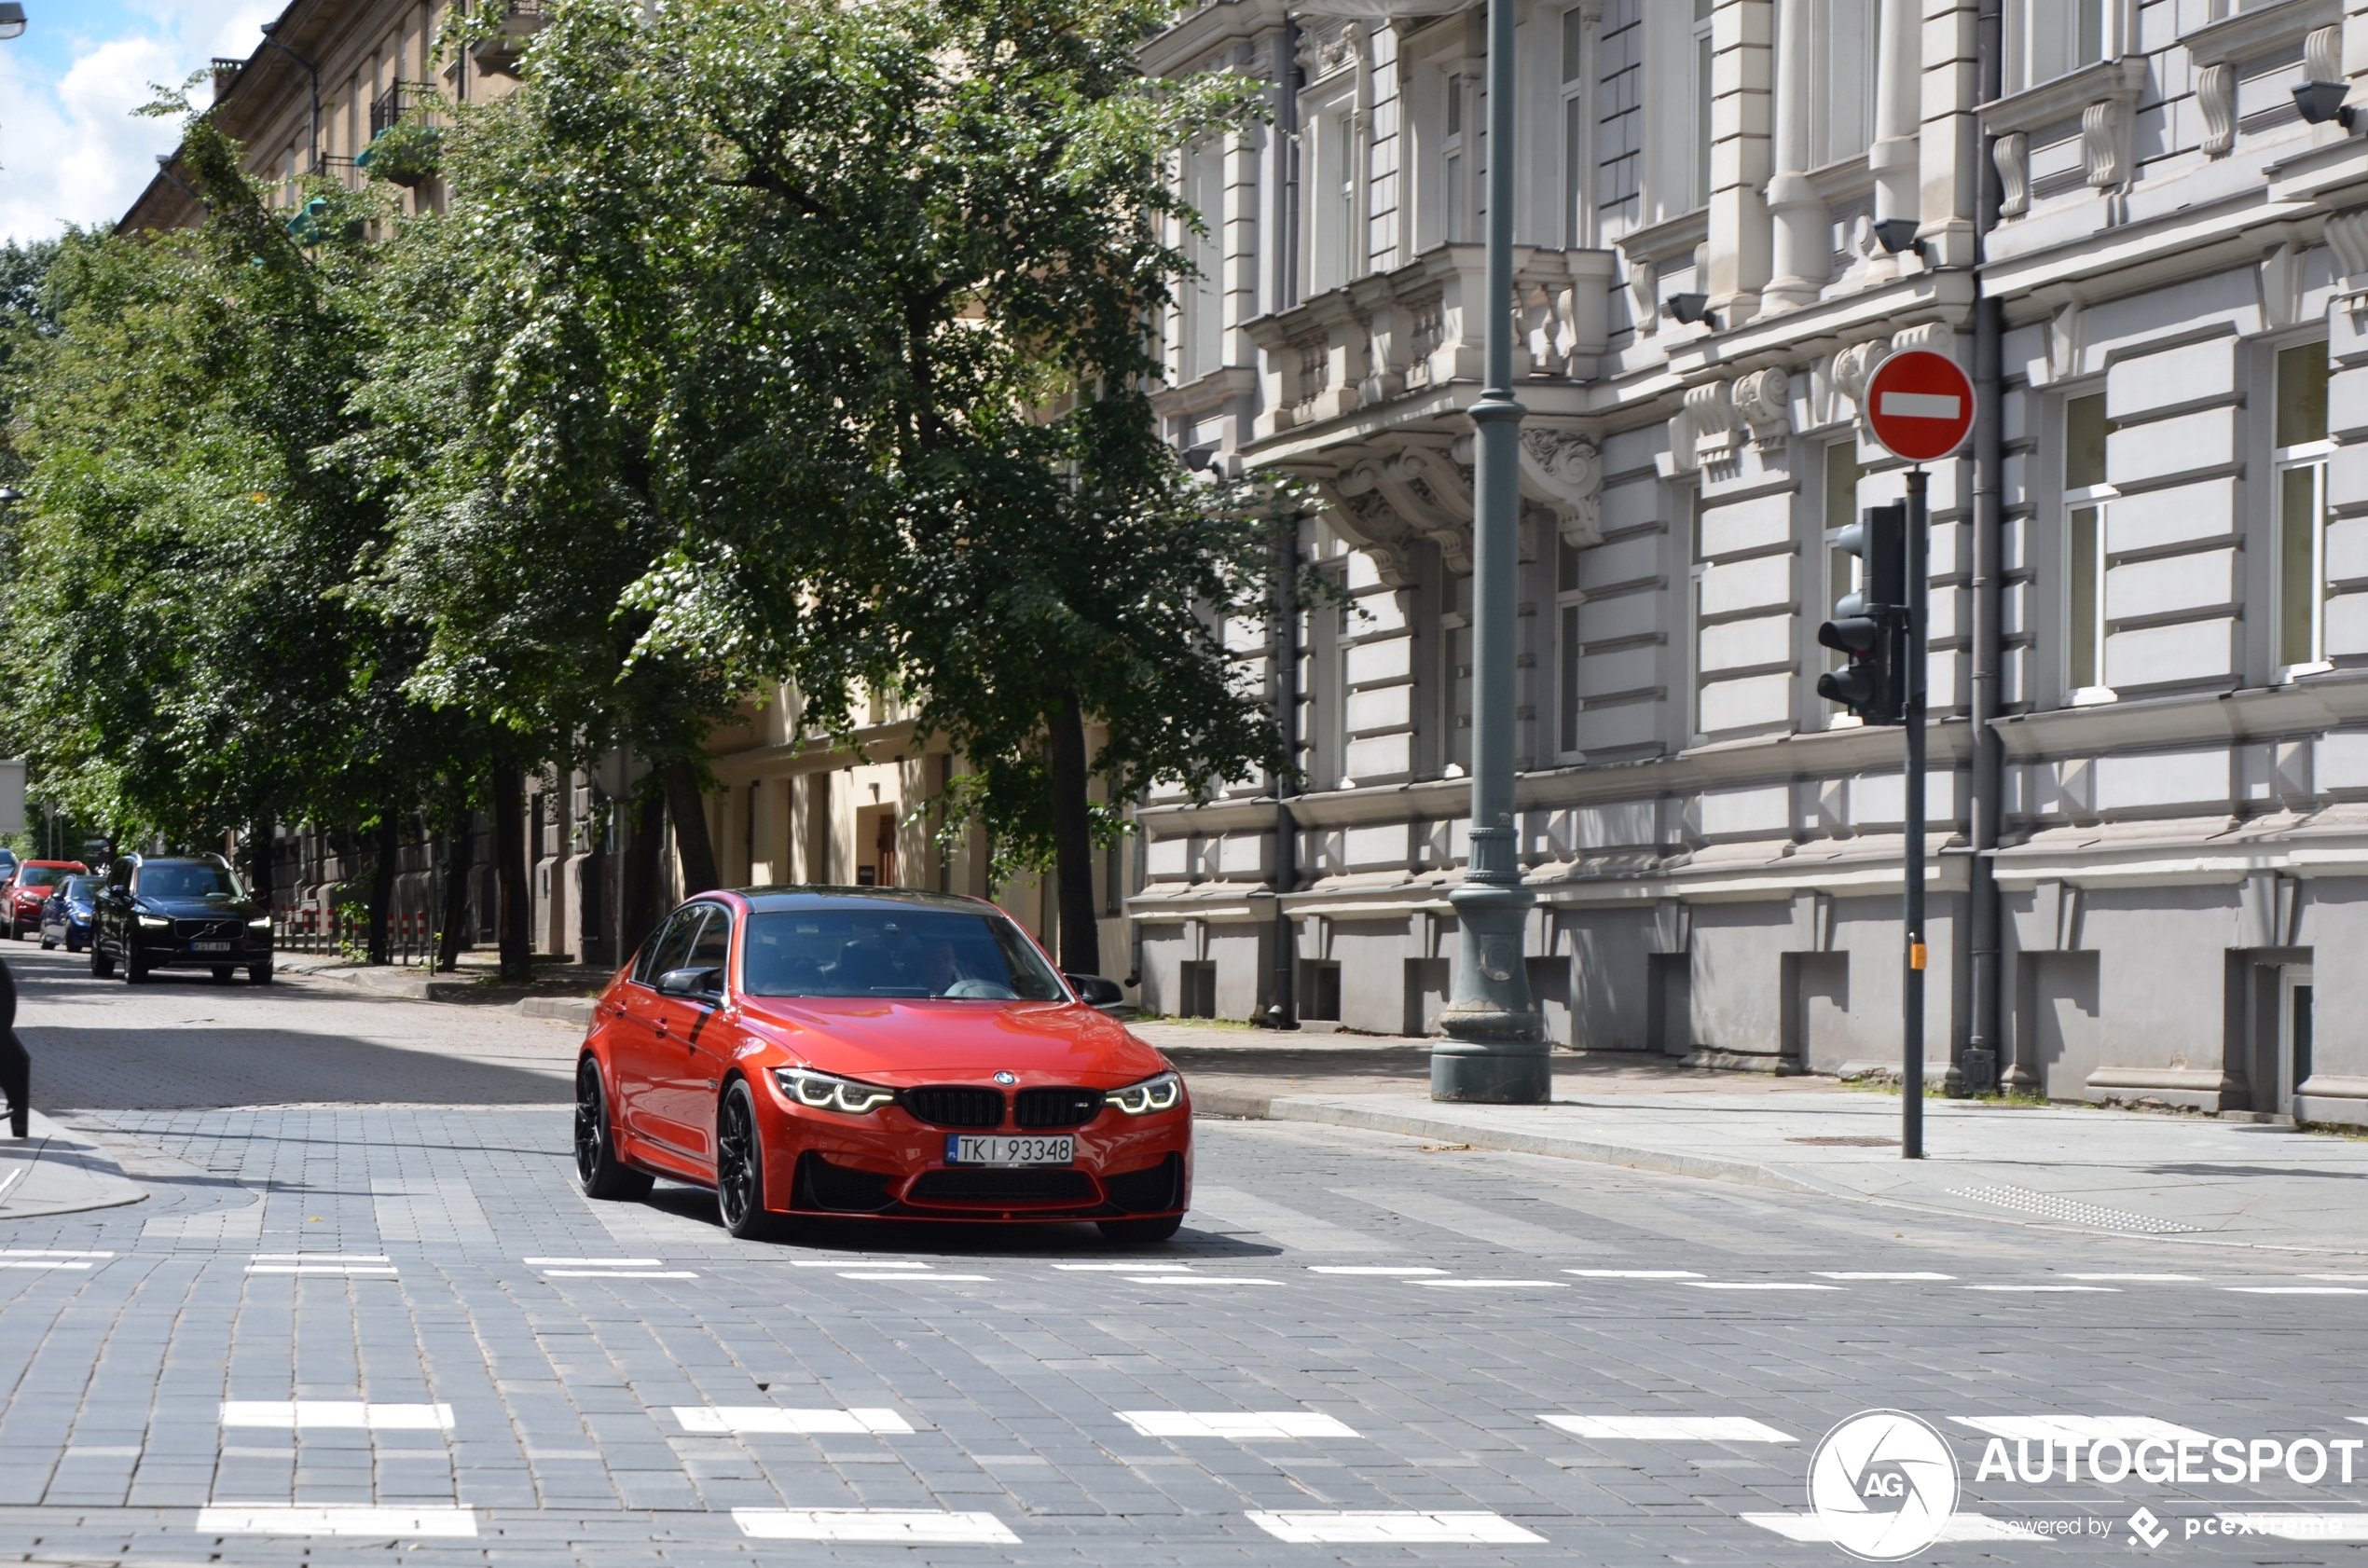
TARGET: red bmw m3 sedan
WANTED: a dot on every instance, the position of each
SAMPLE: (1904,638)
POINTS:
(815,1051)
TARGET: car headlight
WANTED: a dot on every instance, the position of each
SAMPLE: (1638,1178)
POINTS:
(260,922)
(152,923)
(1163,1093)
(822,1091)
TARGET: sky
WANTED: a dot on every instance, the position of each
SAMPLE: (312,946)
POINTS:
(71,150)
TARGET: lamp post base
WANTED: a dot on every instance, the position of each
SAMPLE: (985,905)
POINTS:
(1506,1071)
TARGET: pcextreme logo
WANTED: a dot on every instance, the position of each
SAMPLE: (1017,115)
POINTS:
(1884,1483)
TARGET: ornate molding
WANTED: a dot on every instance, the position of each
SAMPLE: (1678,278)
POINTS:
(1763,399)
(2216,96)
(2348,237)
(1853,364)
(1710,410)
(1644,295)
(2101,142)
(2322,54)
(2103,96)
(2011,153)
(1561,471)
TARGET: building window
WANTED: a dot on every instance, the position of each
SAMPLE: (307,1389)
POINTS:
(1574,129)
(1705,91)
(2051,38)
(1842,115)
(1699,567)
(1455,165)
(1567,599)
(1328,627)
(1843,569)
(1456,676)
(2301,458)
(1204,301)
(1330,160)
(2087,496)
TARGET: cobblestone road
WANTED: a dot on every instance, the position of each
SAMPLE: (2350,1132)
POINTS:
(362,1313)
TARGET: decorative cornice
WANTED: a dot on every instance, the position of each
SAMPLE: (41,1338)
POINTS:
(2107,81)
(2258,30)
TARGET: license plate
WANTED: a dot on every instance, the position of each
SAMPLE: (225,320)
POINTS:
(209,947)
(969,1148)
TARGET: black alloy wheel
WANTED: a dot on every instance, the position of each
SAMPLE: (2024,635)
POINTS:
(1139,1231)
(740,1169)
(598,1173)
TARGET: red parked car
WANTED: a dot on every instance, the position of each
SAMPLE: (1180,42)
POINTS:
(817,1051)
(22,895)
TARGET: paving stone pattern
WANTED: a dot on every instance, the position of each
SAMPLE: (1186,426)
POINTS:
(566,1339)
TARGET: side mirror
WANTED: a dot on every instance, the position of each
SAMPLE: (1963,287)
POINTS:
(1095,991)
(691,983)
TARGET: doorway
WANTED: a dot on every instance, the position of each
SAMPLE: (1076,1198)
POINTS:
(2293,1033)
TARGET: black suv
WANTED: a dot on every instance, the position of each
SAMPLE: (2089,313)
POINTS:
(181,912)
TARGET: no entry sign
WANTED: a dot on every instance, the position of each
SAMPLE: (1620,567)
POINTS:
(1920,404)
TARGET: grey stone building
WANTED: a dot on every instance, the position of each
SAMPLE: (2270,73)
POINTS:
(2155,590)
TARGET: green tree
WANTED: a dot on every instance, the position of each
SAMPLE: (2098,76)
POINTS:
(204,665)
(837,314)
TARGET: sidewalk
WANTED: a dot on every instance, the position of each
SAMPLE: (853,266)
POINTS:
(564,992)
(58,1171)
(2183,1180)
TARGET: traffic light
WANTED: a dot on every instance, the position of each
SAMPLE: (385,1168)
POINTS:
(1871,625)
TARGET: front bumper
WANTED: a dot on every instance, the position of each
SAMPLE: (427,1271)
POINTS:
(162,950)
(895,1168)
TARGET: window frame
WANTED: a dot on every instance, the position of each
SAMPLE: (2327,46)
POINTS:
(2313,457)
(1698,569)
(2019,44)
(1203,298)
(1703,69)
(1457,678)
(1576,103)
(1853,570)
(2096,498)
(1568,648)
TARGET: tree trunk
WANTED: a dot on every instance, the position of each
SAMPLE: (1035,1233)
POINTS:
(453,925)
(259,845)
(1080,937)
(688,808)
(509,851)
(390,848)
(642,905)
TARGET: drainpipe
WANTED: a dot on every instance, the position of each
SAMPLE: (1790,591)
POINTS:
(1283,1011)
(1977,1070)
(270,31)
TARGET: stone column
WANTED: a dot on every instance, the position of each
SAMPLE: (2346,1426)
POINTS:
(1802,247)
(1739,227)
(1899,87)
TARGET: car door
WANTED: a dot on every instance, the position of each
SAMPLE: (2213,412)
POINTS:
(641,1061)
(690,1041)
(112,914)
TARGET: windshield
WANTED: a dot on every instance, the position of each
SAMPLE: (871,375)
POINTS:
(43,876)
(81,887)
(893,952)
(192,879)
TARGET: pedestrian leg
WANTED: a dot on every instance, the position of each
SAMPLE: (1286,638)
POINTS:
(15,1081)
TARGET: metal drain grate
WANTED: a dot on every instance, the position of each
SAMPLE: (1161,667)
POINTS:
(2067,1208)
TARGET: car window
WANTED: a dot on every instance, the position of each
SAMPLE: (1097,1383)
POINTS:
(713,945)
(81,887)
(664,951)
(42,877)
(119,874)
(893,952)
(187,879)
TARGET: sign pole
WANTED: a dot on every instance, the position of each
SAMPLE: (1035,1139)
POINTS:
(1911,1110)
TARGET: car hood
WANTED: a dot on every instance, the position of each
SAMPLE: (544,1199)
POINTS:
(899,1042)
(201,909)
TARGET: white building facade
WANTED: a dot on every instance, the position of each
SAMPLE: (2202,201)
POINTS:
(2155,590)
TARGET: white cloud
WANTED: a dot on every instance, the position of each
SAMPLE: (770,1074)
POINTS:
(71,151)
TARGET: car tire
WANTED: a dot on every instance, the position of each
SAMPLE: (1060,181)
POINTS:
(47,946)
(259,976)
(740,1169)
(134,971)
(72,945)
(1135,1231)
(101,967)
(598,1173)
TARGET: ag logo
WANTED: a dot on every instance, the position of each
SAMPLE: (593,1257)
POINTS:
(1883,1483)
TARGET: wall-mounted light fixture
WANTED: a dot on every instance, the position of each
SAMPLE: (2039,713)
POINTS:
(1690,309)
(2322,101)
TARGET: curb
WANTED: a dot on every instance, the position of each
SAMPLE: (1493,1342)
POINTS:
(1340,1113)
(562,1010)
(420,989)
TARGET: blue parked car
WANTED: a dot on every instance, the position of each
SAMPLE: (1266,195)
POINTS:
(65,913)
